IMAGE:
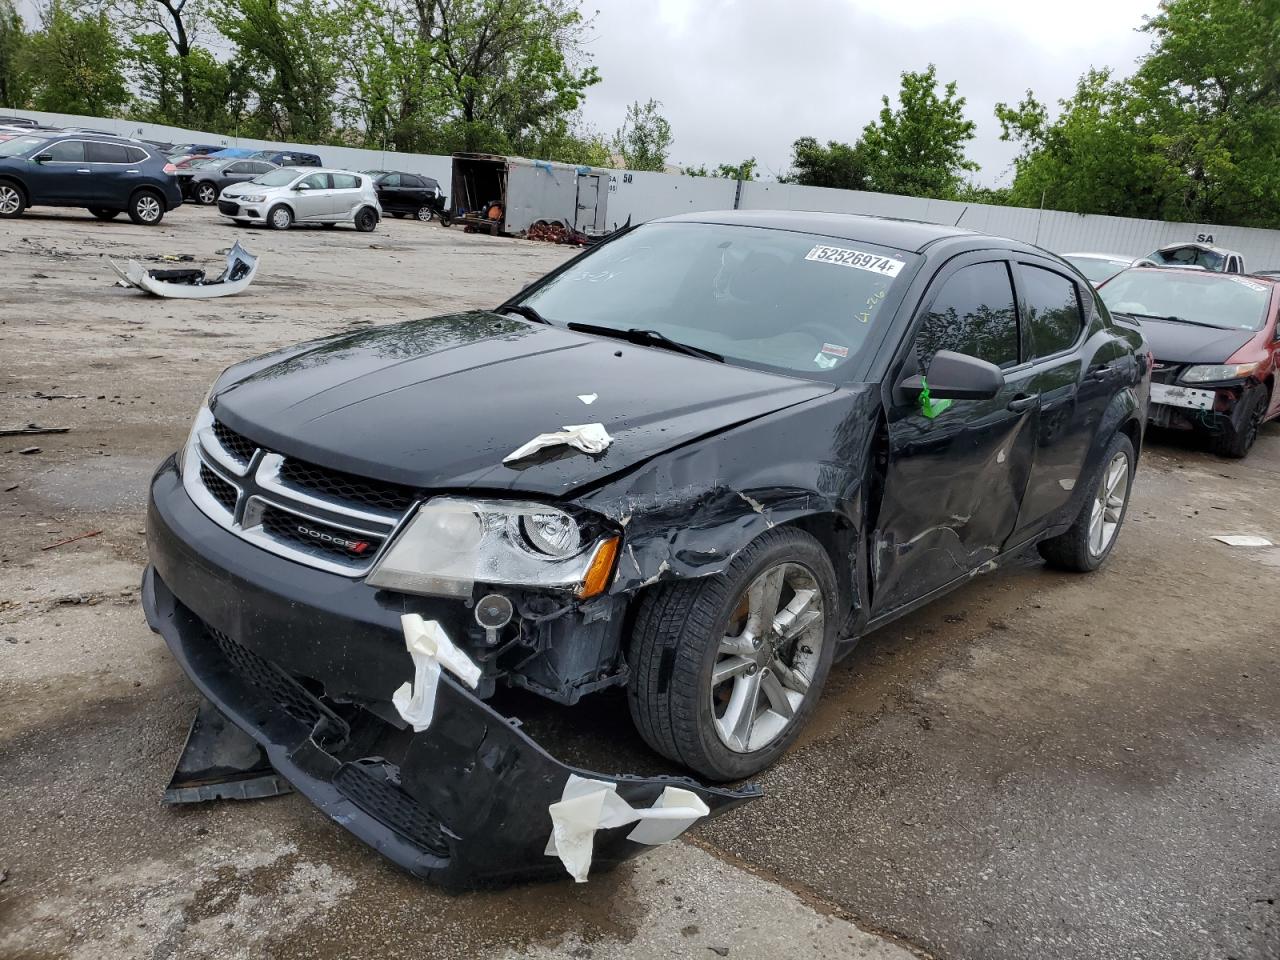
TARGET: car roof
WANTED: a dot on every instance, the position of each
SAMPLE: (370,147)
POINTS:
(303,169)
(1196,244)
(909,235)
(1209,276)
(1102,256)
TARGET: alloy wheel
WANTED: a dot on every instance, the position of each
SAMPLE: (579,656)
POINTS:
(1108,504)
(207,194)
(280,218)
(10,200)
(148,209)
(765,666)
(425,214)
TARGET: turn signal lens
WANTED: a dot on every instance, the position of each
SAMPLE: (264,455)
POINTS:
(600,571)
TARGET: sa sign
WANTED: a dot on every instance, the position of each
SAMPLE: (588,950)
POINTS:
(1204,238)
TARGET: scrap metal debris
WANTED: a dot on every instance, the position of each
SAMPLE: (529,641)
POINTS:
(32,428)
(1243,540)
(191,284)
(588,437)
(28,451)
(556,232)
(80,536)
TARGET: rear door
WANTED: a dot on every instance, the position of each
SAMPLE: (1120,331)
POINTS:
(414,190)
(955,473)
(588,198)
(388,189)
(110,183)
(1074,380)
(345,194)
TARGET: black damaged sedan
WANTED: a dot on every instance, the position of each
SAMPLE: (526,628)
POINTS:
(807,425)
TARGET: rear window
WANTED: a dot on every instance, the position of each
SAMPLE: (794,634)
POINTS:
(95,152)
(345,181)
(135,154)
(1050,305)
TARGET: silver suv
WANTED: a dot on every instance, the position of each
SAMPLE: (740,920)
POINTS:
(292,195)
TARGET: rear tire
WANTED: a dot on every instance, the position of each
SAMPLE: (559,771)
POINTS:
(1236,444)
(1089,541)
(280,217)
(207,194)
(716,683)
(425,213)
(12,200)
(146,208)
(102,214)
(366,220)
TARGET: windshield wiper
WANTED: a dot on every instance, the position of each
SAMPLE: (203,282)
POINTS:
(1174,319)
(524,310)
(648,338)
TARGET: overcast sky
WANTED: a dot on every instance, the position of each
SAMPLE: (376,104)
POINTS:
(739,78)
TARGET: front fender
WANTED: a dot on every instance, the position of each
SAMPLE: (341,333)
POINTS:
(687,513)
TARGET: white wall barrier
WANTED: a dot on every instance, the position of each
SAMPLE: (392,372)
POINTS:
(641,195)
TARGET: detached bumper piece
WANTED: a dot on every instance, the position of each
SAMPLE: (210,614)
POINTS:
(465,803)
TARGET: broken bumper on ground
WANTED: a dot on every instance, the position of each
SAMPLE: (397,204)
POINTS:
(464,803)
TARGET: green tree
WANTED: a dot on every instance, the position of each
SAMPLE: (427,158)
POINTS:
(14,87)
(73,63)
(1192,135)
(174,24)
(835,165)
(746,170)
(289,52)
(918,149)
(644,137)
(510,72)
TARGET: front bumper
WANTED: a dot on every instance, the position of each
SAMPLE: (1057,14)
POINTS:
(464,803)
(1229,413)
(234,210)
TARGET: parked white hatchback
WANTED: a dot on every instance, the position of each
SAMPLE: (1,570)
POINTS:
(290,195)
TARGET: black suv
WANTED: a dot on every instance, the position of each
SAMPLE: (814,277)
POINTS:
(107,175)
(805,426)
(407,194)
(203,183)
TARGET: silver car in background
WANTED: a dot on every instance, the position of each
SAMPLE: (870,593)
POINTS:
(290,195)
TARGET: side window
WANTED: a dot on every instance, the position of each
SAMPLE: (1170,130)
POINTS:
(233,168)
(345,181)
(317,181)
(96,152)
(1050,306)
(135,154)
(972,314)
(68,151)
(411,181)
(390,180)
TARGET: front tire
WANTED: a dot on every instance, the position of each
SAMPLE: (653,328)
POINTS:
(1089,541)
(102,214)
(146,208)
(1236,444)
(425,213)
(207,194)
(12,202)
(366,220)
(725,670)
(280,218)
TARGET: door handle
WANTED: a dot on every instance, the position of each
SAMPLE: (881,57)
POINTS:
(1101,373)
(84,171)
(1019,404)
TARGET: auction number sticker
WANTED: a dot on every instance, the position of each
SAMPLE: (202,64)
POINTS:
(844,257)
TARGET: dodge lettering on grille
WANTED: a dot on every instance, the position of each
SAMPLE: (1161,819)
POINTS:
(357,547)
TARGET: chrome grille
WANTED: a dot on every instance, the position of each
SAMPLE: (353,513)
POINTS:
(1163,372)
(322,518)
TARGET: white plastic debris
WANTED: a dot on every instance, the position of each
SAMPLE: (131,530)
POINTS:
(587,437)
(586,806)
(430,648)
(588,398)
(1243,540)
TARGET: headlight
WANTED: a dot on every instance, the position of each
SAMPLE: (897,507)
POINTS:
(202,419)
(253,198)
(453,543)
(1213,372)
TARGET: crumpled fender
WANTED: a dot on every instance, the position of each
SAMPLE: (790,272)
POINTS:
(681,519)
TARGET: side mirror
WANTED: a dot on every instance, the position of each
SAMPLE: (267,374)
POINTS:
(42,157)
(956,376)
(301,186)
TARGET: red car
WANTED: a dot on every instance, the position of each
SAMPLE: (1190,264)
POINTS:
(1214,340)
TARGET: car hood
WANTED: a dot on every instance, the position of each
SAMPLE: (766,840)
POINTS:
(1188,343)
(438,403)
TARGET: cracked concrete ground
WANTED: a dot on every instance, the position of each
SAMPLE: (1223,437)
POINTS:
(1039,765)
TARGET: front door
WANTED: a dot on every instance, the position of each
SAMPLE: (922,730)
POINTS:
(65,177)
(312,198)
(955,472)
